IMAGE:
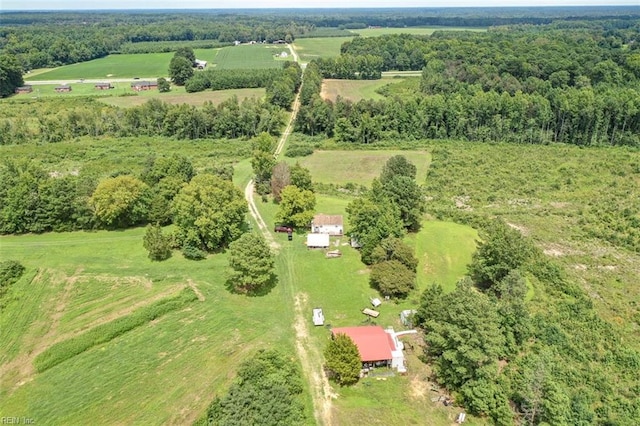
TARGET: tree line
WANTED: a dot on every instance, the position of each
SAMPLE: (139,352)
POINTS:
(521,85)
(229,119)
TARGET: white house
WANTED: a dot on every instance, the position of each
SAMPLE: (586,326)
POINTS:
(327,224)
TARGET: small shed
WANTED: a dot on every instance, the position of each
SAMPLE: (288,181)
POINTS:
(375,302)
(103,86)
(62,88)
(317,240)
(318,316)
(406,317)
(24,89)
(144,85)
(327,224)
(200,64)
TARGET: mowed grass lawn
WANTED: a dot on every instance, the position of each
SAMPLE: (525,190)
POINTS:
(164,372)
(354,90)
(359,167)
(340,286)
(321,47)
(251,56)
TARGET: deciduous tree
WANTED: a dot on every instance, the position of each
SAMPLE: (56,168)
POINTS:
(211,207)
(252,263)
(180,70)
(121,201)
(392,278)
(296,207)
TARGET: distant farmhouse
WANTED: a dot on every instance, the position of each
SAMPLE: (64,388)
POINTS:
(327,224)
(63,88)
(24,89)
(200,64)
(103,86)
(144,85)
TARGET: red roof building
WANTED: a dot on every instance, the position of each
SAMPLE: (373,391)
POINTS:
(374,344)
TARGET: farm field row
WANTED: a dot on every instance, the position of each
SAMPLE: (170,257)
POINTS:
(154,65)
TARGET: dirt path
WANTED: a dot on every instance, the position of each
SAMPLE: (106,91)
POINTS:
(310,358)
(321,390)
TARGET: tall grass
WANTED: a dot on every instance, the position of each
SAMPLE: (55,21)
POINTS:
(67,349)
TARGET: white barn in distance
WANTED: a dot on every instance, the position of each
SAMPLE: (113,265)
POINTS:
(327,224)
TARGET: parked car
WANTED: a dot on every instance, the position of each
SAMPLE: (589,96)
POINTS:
(281,228)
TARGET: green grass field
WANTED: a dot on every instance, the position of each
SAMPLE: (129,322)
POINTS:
(168,370)
(354,90)
(376,32)
(359,167)
(250,56)
(323,47)
(143,65)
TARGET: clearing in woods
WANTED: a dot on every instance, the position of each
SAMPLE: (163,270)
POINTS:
(353,90)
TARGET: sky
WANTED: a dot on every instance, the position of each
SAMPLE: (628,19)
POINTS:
(235,4)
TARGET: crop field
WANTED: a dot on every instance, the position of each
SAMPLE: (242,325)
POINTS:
(323,47)
(354,90)
(179,96)
(376,32)
(142,65)
(250,56)
(359,167)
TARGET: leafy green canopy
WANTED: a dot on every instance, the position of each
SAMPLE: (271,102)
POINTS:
(267,391)
(252,263)
(343,360)
(212,209)
(296,207)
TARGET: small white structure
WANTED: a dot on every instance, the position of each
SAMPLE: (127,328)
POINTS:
(318,316)
(376,302)
(327,224)
(406,317)
(461,418)
(200,64)
(284,55)
(317,240)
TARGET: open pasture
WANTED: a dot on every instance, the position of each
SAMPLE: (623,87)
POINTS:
(322,47)
(354,90)
(359,167)
(142,65)
(251,56)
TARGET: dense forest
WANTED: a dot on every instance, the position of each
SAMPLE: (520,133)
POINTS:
(577,85)
(47,39)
